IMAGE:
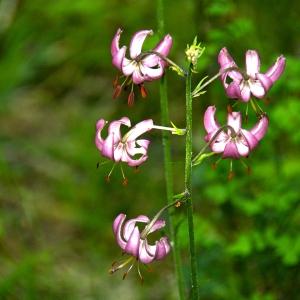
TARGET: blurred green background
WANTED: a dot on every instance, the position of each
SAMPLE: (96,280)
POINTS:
(56,209)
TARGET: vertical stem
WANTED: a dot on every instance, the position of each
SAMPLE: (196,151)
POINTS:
(188,186)
(167,158)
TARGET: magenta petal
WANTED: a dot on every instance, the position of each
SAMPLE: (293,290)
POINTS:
(137,41)
(150,74)
(117,227)
(210,121)
(133,244)
(98,139)
(108,147)
(265,81)
(276,69)
(251,140)
(233,91)
(252,62)
(231,151)
(260,128)
(130,225)
(256,88)
(114,48)
(114,127)
(118,58)
(157,225)
(224,57)
(163,47)
(235,121)
(139,129)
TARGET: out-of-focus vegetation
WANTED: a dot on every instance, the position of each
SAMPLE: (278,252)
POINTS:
(57,209)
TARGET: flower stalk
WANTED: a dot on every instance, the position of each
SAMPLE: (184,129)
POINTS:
(188,186)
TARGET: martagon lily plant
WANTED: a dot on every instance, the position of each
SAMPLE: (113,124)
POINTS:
(230,140)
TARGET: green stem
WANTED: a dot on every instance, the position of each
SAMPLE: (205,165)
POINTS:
(167,159)
(188,186)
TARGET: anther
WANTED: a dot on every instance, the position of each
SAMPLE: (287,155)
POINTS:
(249,171)
(214,166)
(98,164)
(130,99)
(143,90)
(116,81)
(107,178)
(267,100)
(229,109)
(230,175)
(136,169)
(117,92)
(125,181)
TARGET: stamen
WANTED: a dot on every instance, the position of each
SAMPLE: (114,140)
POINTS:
(117,92)
(125,181)
(130,99)
(107,178)
(214,165)
(230,175)
(143,90)
(249,171)
(116,81)
(136,169)
(229,109)
(111,271)
(267,100)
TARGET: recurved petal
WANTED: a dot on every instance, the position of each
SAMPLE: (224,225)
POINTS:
(235,121)
(117,227)
(157,225)
(210,121)
(164,46)
(257,88)
(133,243)
(224,57)
(114,48)
(147,252)
(139,129)
(152,73)
(98,139)
(114,128)
(130,225)
(234,91)
(162,248)
(276,69)
(231,151)
(250,139)
(118,59)
(108,147)
(137,41)
(260,128)
(252,62)
(265,81)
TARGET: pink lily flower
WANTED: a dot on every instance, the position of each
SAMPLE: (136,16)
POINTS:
(118,148)
(140,67)
(134,243)
(256,83)
(233,144)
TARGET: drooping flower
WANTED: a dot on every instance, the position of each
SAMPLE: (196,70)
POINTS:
(118,148)
(252,81)
(140,67)
(233,144)
(135,243)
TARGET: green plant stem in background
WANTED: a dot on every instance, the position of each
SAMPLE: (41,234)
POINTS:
(167,160)
(188,186)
